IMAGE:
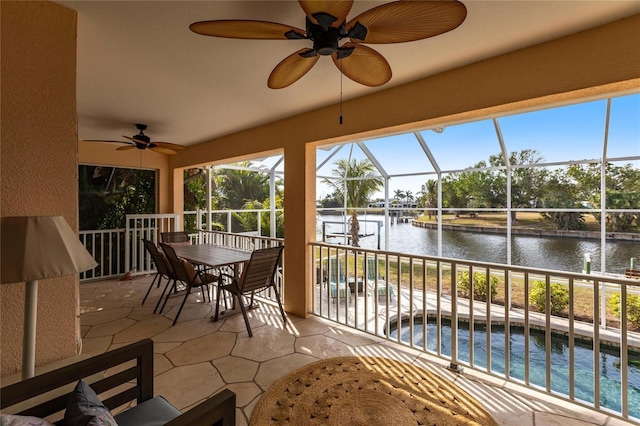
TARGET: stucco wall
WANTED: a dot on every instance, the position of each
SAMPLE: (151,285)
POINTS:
(38,168)
(593,63)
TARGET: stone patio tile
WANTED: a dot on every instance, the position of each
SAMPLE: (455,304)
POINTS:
(350,337)
(188,330)
(189,312)
(161,348)
(613,421)
(323,347)
(309,327)
(550,419)
(84,329)
(266,343)
(161,364)
(140,313)
(504,408)
(383,350)
(143,329)
(110,328)
(245,392)
(205,348)
(103,316)
(234,369)
(183,385)
(236,323)
(96,345)
(272,370)
(241,419)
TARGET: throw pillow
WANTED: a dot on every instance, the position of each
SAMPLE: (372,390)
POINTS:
(190,271)
(84,408)
(12,420)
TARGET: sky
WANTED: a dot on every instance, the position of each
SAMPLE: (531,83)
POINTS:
(567,133)
(574,132)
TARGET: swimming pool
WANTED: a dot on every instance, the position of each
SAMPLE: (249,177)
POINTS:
(609,362)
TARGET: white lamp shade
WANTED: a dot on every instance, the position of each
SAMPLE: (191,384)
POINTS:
(39,247)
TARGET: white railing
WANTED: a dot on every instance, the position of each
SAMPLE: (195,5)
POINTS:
(107,248)
(423,302)
(118,251)
(225,219)
(149,227)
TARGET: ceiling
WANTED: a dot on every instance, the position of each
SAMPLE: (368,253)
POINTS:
(138,62)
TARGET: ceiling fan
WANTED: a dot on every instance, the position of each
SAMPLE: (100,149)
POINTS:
(142,141)
(396,22)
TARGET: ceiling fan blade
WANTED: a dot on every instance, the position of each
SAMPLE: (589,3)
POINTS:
(171,146)
(291,69)
(337,8)
(100,140)
(135,141)
(163,150)
(245,29)
(403,21)
(364,65)
(124,148)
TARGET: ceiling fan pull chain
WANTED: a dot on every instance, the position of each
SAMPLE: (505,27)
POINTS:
(341,91)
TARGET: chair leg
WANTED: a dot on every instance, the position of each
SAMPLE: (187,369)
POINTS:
(219,292)
(182,305)
(164,290)
(159,278)
(244,314)
(284,315)
(173,287)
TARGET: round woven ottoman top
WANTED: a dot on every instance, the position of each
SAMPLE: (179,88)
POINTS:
(366,391)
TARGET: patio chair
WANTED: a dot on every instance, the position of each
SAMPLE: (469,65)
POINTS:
(337,281)
(186,273)
(175,237)
(373,277)
(163,268)
(257,275)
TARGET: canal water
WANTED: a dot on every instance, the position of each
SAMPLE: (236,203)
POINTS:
(564,254)
(609,362)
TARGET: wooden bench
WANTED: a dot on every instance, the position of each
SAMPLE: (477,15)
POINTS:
(133,380)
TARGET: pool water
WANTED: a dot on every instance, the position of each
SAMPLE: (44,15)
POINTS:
(609,361)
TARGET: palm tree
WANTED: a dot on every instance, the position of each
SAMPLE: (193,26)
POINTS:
(409,196)
(431,196)
(398,194)
(358,191)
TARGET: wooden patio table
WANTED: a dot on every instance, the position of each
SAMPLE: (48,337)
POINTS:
(215,256)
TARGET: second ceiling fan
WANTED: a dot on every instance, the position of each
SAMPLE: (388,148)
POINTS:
(326,26)
(142,141)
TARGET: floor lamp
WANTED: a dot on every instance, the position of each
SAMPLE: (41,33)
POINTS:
(35,248)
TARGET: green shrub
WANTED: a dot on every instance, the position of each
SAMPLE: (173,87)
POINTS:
(559,297)
(479,285)
(633,307)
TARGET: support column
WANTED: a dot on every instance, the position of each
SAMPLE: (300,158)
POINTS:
(300,226)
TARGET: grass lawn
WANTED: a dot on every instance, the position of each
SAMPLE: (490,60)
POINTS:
(583,302)
(523,220)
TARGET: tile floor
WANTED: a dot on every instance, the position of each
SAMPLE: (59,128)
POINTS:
(197,358)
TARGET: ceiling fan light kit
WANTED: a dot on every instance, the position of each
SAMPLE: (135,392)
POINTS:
(326,27)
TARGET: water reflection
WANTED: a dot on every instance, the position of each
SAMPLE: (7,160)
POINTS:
(565,254)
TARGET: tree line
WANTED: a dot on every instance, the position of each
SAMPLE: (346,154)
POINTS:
(576,186)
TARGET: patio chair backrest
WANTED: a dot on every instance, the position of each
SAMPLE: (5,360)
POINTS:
(162,264)
(174,237)
(261,269)
(183,269)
